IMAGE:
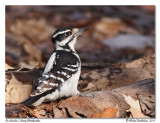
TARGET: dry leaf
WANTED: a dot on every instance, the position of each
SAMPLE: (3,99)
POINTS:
(134,107)
(16,91)
(33,29)
(109,27)
(8,67)
(98,104)
(109,112)
(32,51)
(79,106)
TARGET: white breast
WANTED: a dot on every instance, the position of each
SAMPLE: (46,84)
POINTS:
(68,88)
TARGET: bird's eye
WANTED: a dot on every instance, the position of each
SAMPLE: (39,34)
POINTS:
(68,33)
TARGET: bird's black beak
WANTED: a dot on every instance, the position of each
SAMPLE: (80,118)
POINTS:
(78,31)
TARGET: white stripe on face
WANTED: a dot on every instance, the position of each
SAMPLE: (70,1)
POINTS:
(60,33)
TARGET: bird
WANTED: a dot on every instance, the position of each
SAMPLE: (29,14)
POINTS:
(62,71)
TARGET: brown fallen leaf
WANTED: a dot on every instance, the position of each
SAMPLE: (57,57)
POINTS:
(15,91)
(134,107)
(79,107)
(105,25)
(33,29)
(109,112)
(101,103)
(8,67)
(20,50)
(102,79)
(110,77)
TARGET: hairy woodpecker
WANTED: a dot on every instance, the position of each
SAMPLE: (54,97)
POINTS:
(61,73)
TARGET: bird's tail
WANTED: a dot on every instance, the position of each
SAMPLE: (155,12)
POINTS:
(30,100)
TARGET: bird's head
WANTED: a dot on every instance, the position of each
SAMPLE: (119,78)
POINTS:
(65,38)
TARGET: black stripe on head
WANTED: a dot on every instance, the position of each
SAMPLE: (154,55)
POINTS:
(62,29)
(61,34)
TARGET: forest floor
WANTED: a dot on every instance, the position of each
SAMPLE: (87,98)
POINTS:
(117,54)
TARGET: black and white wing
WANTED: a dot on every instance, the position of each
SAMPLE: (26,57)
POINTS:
(60,67)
